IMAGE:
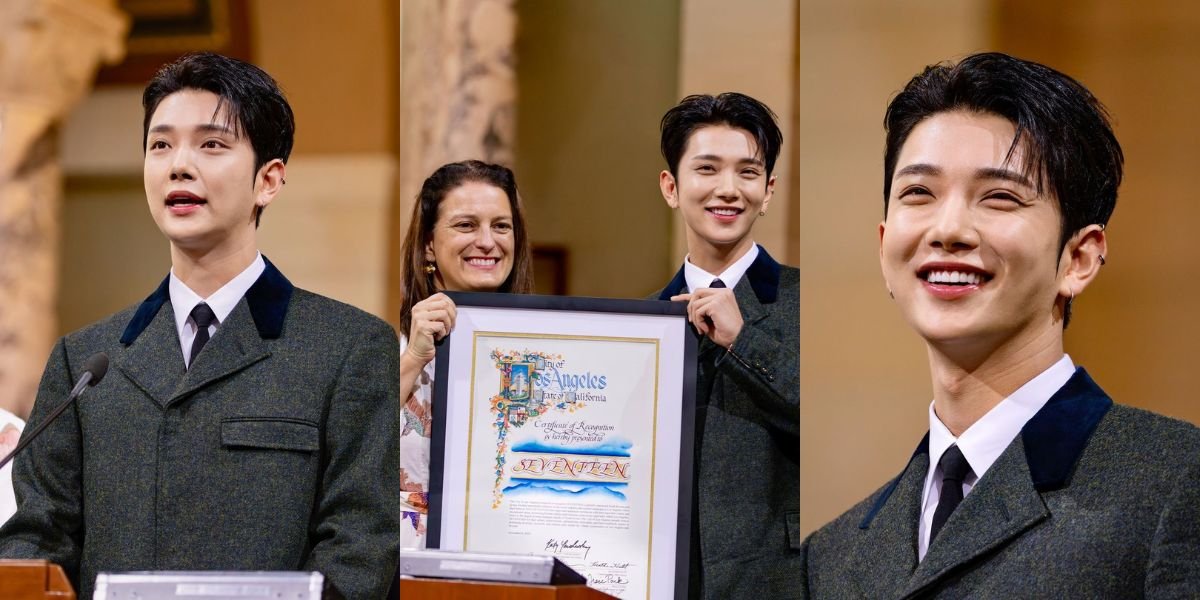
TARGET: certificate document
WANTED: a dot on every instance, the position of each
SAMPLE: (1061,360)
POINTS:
(566,452)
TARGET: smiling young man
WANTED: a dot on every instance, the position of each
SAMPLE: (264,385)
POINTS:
(721,153)
(244,424)
(1000,177)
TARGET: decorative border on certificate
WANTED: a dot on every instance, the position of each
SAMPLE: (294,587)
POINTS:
(556,432)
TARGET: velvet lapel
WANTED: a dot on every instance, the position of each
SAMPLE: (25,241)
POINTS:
(235,346)
(677,286)
(887,547)
(151,338)
(1000,507)
(153,360)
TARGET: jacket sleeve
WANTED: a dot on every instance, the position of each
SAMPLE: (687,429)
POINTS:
(356,519)
(47,479)
(769,369)
(1174,566)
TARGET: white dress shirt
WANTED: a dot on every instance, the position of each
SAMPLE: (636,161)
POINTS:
(222,302)
(984,441)
(698,278)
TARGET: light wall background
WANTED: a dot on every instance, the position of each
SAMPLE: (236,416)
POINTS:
(865,383)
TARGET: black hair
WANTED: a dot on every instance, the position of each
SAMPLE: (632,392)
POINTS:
(730,108)
(254,105)
(1068,141)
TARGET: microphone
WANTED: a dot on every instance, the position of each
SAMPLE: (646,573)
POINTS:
(94,369)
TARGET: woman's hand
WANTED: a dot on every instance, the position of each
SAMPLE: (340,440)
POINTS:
(432,320)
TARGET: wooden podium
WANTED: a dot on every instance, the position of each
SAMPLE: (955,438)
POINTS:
(452,589)
(33,580)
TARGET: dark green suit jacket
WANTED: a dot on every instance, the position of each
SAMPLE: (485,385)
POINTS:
(277,450)
(1091,500)
(747,492)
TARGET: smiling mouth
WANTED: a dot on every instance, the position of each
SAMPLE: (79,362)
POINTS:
(951,277)
(483,262)
(724,211)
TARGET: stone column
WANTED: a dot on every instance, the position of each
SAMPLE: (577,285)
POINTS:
(49,53)
(458,87)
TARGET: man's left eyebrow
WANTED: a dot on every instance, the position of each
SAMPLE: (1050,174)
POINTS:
(1004,174)
(213,127)
(714,157)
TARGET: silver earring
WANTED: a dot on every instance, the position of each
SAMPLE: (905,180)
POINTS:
(762,213)
(1102,261)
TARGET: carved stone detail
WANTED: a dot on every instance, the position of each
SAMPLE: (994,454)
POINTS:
(49,53)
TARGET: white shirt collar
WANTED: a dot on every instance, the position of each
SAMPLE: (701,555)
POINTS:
(984,441)
(698,278)
(222,302)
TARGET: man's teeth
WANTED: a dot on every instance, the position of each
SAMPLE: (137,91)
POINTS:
(954,278)
(725,212)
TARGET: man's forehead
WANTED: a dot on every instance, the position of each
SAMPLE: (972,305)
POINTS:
(196,108)
(723,139)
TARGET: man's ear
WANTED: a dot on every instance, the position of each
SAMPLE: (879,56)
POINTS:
(770,194)
(1081,260)
(666,184)
(269,182)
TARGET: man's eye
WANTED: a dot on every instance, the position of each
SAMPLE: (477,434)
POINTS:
(156,144)
(915,193)
(1004,200)
(706,169)
(212,144)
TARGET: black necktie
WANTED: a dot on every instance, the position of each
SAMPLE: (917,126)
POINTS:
(954,469)
(204,317)
(717,283)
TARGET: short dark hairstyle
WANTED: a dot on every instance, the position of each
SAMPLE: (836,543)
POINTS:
(1069,145)
(731,108)
(255,106)
(419,285)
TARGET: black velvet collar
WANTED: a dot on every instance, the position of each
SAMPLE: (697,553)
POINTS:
(1054,438)
(268,300)
(763,275)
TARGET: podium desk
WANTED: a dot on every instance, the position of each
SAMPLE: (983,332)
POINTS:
(33,580)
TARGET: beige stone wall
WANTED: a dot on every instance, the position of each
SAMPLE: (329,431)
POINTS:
(594,79)
(49,53)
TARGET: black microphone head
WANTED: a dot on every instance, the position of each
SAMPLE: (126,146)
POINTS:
(97,365)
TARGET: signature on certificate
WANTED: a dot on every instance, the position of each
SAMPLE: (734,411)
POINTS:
(565,546)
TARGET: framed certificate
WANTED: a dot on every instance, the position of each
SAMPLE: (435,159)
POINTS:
(564,426)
